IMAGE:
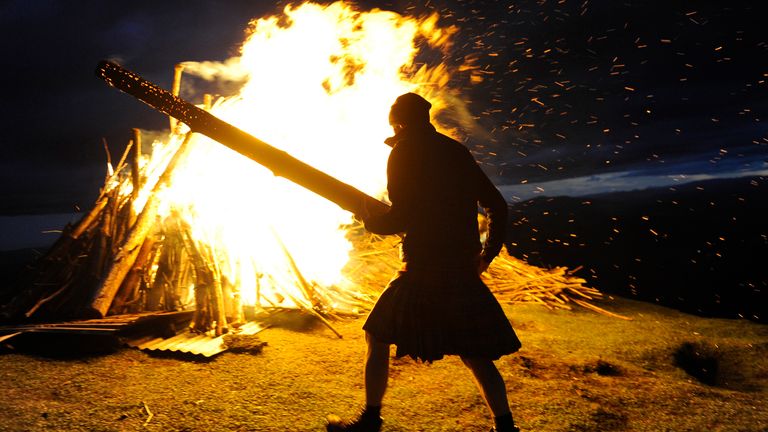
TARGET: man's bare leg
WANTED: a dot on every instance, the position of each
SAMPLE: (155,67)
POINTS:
(376,377)
(376,371)
(494,391)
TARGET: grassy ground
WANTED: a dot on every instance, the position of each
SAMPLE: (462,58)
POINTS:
(577,371)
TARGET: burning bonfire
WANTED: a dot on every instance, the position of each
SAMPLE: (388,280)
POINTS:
(189,224)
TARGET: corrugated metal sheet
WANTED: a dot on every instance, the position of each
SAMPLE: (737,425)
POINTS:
(111,325)
(191,343)
(140,331)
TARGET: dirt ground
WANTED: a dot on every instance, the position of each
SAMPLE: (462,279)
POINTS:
(578,371)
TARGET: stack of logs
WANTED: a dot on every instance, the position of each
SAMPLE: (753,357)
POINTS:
(101,265)
(515,281)
(117,260)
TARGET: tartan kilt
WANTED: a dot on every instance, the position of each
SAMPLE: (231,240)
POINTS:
(428,314)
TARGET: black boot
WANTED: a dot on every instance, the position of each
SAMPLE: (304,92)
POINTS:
(505,423)
(367,421)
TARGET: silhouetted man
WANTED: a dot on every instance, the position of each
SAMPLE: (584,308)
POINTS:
(437,304)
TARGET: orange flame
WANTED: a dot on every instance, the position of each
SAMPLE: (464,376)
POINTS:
(320,81)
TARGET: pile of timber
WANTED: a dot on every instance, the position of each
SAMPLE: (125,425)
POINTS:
(101,265)
(118,260)
(123,257)
(514,281)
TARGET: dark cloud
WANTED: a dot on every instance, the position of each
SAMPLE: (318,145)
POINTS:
(55,113)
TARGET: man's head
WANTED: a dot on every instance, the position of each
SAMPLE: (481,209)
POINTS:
(408,110)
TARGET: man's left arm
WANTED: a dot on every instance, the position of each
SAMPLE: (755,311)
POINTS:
(395,220)
(495,207)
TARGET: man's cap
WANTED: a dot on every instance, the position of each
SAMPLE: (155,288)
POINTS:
(410,108)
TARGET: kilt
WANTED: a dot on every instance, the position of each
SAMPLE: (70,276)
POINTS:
(429,313)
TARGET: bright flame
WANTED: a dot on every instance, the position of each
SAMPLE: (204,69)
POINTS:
(320,81)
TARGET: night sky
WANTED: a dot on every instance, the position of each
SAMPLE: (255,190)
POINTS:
(590,95)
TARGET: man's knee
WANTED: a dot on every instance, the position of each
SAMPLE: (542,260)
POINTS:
(478,364)
(375,346)
(470,362)
(370,339)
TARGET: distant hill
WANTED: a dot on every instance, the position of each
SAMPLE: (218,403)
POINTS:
(701,247)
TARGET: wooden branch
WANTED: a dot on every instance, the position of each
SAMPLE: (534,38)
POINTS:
(208,296)
(45,300)
(175,90)
(306,289)
(163,275)
(600,310)
(136,158)
(237,304)
(129,250)
(103,250)
(123,221)
(207,101)
(87,220)
(110,169)
(133,279)
(217,291)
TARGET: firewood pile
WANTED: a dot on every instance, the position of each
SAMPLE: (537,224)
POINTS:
(117,260)
(514,281)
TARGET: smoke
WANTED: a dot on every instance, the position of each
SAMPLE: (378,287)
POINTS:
(228,70)
(212,77)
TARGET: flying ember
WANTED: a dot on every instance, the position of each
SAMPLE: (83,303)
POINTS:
(318,84)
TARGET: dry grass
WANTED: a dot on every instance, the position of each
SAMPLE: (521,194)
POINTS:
(578,371)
